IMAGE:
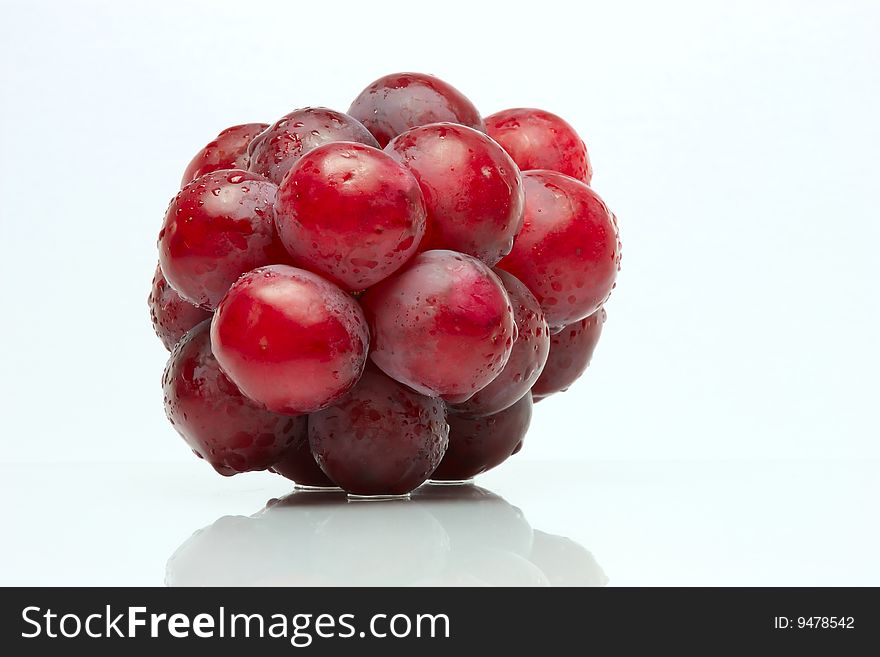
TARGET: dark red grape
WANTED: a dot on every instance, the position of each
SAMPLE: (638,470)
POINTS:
(473,190)
(216,228)
(479,444)
(277,149)
(571,350)
(537,139)
(298,464)
(220,425)
(381,438)
(351,213)
(395,103)
(527,357)
(290,340)
(171,314)
(443,325)
(568,252)
(228,151)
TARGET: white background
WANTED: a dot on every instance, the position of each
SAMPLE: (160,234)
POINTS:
(738,143)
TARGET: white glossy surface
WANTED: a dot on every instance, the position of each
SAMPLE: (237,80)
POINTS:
(736,523)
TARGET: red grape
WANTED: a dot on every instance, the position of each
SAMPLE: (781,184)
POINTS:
(537,139)
(381,439)
(479,444)
(216,228)
(292,341)
(571,350)
(220,425)
(443,325)
(568,252)
(395,103)
(298,464)
(351,213)
(228,151)
(473,190)
(527,357)
(276,150)
(171,314)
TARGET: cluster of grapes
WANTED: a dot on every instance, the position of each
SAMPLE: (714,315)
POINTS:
(375,298)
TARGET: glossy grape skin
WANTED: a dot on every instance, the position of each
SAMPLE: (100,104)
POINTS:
(228,151)
(351,213)
(381,438)
(218,227)
(537,139)
(220,425)
(395,103)
(479,444)
(290,340)
(172,315)
(298,464)
(443,325)
(568,252)
(527,357)
(473,190)
(278,148)
(571,350)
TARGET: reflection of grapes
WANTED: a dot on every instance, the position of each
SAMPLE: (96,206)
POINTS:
(564,562)
(476,518)
(379,544)
(268,548)
(443,535)
(496,568)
